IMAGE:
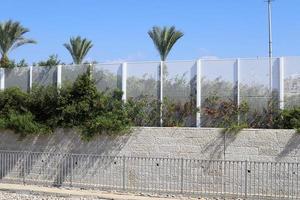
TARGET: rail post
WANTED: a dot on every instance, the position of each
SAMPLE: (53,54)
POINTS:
(246,178)
(24,166)
(71,169)
(123,172)
(181,176)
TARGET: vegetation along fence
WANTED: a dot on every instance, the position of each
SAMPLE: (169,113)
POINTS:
(245,179)
(187,83)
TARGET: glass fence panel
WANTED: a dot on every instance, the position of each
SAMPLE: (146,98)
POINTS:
(108,77)
(142,79)
(291,81)
(69,73)
(179,90)
(17,77)
(254,83)
(142,88)
(217,88)
(44,75)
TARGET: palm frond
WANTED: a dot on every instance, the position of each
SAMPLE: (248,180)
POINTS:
(11,36)
(78,48)
(164,38)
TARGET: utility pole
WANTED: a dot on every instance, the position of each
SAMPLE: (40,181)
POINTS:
(270,45)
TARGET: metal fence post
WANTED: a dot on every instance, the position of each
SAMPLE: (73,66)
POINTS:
(71,169)
(181,176)
(237,85)
(58,76)
(30,78)
(2,78)
(124,81)
(198,93)
(24,166)
(161,95)
(246,178)
(123,173)
(281,83)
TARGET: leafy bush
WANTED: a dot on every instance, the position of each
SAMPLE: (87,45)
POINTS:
(177,113)
(289,118)
(143,111)
(12,63)
(24,124)
(77,106)
(223,113)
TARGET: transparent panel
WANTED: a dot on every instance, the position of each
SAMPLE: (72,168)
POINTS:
(292,81)
(217,78)
(254,82)
(44,75)
(69,73)
(142,79)
(179,85)
(142,89)
(17,77)
(217,88)
(107,76)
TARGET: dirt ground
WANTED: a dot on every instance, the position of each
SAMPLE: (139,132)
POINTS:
(32,192)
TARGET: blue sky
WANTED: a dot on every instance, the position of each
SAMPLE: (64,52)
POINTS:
(118,28)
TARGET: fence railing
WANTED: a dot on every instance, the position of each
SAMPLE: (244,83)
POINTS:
(181,81)
(190,177)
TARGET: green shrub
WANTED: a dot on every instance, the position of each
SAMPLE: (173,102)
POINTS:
(13,99)
(24,124)
(288,119)
(143,111)
(77,106)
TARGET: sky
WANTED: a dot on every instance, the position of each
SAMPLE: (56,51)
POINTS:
(118,28)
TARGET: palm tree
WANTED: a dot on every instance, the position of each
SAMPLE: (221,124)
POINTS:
(78,48)
(164,39)
(11,37)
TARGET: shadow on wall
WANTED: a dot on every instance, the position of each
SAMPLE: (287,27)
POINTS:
(217,147)
(292,145)
(55,147)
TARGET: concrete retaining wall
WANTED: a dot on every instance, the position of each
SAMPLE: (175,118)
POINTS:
(198,143)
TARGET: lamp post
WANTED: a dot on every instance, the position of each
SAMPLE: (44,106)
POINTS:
(270,44)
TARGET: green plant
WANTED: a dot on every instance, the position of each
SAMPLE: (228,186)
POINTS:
(51,61)
(24,124)
(289,118)
(78,106)
(179,113)
(11,37)
(223,113)
(13,64)
(235,128)
(78,48)
(164,39)
(143,111)
(263,117)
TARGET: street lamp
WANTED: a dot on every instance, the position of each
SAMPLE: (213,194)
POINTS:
(270,44)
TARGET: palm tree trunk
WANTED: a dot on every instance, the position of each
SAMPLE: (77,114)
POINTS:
(4,62)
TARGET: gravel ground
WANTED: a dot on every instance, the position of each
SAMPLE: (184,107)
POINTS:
(32,196)
(35,196)
(7,195)
(28,192)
